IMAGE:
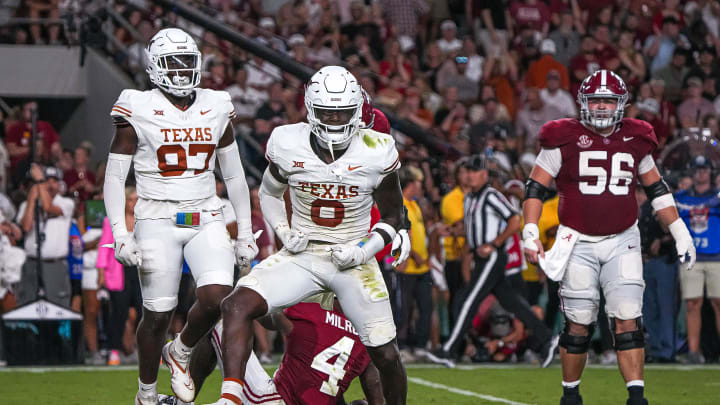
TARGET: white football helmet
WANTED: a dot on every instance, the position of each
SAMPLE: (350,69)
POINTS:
(333,99)
(172,53)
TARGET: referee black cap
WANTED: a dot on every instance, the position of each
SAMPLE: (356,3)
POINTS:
(476,162)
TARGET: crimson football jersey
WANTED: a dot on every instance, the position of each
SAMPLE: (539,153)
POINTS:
(324,354)
(597,177)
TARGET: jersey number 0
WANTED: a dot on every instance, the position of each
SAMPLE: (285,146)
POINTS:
(331,222)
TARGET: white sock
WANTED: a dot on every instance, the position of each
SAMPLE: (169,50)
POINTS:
(147,390)
(571,384)
(232,390)
(635,383)
(180,348)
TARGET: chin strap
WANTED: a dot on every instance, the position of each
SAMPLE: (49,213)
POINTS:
(332,151)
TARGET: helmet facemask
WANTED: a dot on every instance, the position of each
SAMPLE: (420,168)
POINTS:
(176,73)
(605,118)
(334,126)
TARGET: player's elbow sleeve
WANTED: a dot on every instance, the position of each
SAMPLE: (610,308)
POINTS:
(270,186)
(118,166)
(230,163)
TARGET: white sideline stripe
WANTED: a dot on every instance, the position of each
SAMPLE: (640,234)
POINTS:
(463,367)
(463,392)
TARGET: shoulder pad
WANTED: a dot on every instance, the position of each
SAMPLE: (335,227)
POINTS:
(632,126)
(375,140)
(557,133)
(123,107)
(381,123)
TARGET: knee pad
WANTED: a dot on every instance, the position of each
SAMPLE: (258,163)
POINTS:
(162,304)
(377,333)
(576,344)
(628,340)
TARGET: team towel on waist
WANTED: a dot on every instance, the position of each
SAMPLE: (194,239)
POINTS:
(556,259)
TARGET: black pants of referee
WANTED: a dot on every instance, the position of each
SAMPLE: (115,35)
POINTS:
(488,277)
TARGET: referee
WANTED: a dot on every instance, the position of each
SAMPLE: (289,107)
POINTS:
(490,221)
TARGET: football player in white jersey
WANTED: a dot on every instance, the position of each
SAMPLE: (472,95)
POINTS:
(335,171)
(172,134)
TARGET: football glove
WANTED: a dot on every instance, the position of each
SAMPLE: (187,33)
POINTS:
(127,251)
(400,247)
(245,251)
(344,256)
(683,243)
(294,241)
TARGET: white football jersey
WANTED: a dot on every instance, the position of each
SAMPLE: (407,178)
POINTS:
(175,155)
(332,202)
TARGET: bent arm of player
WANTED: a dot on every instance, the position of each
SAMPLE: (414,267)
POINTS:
(401,245)
(122,150)
(271,192)
(536,190)
(663,204)
(371,385)
(239,195)
(390,204)
(277,321)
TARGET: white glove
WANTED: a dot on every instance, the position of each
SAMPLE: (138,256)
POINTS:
(400,247)
(127,251)
(293,240)
(345,256)
(683,244)
(245,251)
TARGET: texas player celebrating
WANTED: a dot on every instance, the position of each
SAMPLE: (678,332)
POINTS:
(334,171)
(596,162)
(172,134)
(324,354)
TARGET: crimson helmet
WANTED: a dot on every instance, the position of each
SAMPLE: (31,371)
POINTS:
(602,84)
(368,115)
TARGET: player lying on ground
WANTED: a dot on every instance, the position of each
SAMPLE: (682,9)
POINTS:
(334,171)
(596,163)
(172,134)
(324,354)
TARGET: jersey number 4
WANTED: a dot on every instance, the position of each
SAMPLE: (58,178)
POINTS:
(169,170)
(617,174)
(335,370)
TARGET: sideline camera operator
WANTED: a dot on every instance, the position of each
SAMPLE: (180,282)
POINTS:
(55,215)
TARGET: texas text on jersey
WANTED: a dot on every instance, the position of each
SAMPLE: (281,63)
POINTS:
(597,174)
(335,196)
(326,355)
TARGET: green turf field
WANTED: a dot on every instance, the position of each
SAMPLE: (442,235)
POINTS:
(669,385)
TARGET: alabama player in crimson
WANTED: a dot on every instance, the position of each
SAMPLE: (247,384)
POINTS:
(173,134)
(335,171)
(324,354)
(596,162)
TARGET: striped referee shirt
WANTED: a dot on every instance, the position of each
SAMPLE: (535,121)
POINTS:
(486,214)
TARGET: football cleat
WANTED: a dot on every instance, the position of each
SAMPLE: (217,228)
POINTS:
(548,351)
(572,400)
(145,401)
(440,357)
(181,382)
(171,400)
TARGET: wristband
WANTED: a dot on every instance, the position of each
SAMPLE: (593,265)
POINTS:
(531,231)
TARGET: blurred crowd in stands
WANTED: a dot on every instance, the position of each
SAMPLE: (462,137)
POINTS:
(481,75)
